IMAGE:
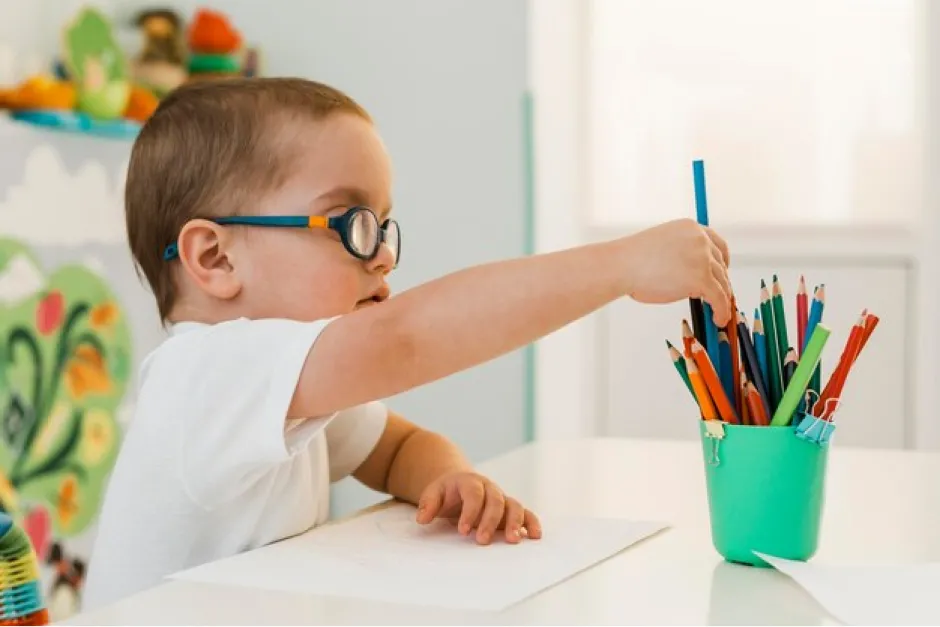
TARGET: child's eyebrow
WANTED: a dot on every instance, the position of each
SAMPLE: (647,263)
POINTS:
(350,196)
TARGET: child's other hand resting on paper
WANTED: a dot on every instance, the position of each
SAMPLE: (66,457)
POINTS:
(473,502)
(427,470)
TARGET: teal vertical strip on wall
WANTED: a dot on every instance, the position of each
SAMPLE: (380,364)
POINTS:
(528,130)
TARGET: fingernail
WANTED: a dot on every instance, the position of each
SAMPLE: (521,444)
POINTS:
(464,528)
(485,536)
(516,532)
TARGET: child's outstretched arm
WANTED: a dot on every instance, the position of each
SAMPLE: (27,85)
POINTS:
(427,470)
(475,315)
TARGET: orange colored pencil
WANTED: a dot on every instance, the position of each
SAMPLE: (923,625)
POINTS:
(732,331)
(701,391)
(687,338)
(756,406)
(707,370)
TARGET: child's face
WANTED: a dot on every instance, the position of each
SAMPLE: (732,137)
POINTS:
(307,274)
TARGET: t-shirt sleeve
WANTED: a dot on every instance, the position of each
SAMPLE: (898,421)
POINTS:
(352,435)
(240,377)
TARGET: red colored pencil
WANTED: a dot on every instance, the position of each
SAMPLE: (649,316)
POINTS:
(687,338)
(802,315)
(833,388)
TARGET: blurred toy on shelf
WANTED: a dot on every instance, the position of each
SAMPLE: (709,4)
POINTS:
(215,47)
(88,90)
(96,65)
(161,66)
(92,88)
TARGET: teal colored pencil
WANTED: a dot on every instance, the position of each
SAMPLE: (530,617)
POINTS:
(801,376)
(760,347)
(815,317)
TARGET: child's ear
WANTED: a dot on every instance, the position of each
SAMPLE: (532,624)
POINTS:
(205,252)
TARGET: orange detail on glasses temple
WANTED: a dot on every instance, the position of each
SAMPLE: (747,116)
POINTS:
(317,221)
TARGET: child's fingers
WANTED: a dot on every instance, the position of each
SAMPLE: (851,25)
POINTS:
(430,503)
(721,244)
(718,295)
(492,514)
(515,519)
(532,525)
(472,495)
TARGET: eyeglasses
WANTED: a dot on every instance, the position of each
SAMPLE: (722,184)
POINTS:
(358,228)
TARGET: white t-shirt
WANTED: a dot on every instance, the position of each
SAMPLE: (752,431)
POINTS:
(209,466)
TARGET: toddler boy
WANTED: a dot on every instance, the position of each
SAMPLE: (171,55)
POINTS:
(259,212)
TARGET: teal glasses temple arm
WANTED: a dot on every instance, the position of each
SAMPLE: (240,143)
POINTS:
(172,250)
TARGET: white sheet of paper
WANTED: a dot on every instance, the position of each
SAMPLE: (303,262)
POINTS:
(386,556)
(870,595)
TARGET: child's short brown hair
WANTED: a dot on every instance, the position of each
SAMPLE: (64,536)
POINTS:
(212,148)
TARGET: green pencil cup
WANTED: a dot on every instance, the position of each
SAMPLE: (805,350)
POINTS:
(766,488)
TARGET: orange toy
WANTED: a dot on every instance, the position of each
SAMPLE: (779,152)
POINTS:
(211,33)
(39,92)
(141,104)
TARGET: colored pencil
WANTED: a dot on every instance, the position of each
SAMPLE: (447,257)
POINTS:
(802,313)
(775,389)
(698,318)
(804,371)
(760,347)
(789,365)
(701,391)
(679,363)
(701,214)
(870,323)
(745,409)
(736,378)
(724,370)
(780,322)
(687,337)
(751,361)
(815,317)
(717,392)
(829,398)
(755,406)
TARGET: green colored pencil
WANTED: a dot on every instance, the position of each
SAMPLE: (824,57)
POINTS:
(679,363)
(774,374)
(780,323)
(799,381)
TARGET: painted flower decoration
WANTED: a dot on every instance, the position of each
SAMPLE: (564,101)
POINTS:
(86,372)
(97,436)
(52,427)
(38,526)
(9,499)
(50,312)
(67,501)
(103,315)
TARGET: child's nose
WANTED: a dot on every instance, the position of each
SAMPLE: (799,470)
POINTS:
(383,261)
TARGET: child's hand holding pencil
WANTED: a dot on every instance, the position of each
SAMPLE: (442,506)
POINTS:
(679,260)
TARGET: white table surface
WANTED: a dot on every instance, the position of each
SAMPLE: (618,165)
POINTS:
(881,507)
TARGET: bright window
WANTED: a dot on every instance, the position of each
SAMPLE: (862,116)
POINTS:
(806,111)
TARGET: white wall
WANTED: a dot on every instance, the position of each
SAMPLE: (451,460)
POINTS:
(445,81)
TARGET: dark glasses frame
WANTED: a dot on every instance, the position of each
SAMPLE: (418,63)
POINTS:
(341,224)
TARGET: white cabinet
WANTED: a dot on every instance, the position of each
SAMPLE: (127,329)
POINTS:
(641,395)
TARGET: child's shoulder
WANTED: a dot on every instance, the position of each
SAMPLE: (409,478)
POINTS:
(232,349)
